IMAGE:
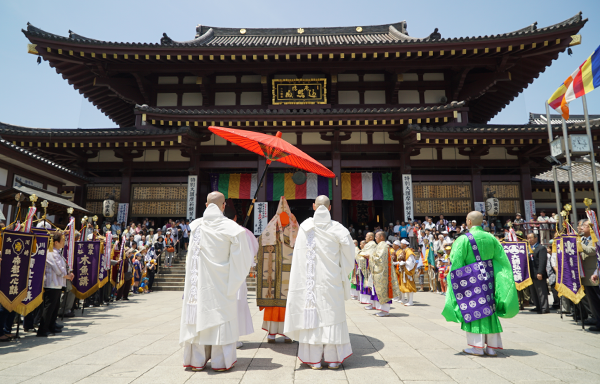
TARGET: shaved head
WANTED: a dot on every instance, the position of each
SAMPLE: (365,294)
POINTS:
(379,237)
(216,198)
(369,236)
(322,200)
(474,218)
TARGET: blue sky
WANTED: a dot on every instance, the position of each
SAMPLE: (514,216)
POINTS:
(35,96)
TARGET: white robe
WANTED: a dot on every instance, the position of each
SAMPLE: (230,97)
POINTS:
(217,264)
(244,317)
(320,319)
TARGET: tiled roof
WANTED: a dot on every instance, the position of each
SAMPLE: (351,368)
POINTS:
(500,128)
(10,145)
(581,170)
(541,119)
(297,111)
(9,129)
(302,37)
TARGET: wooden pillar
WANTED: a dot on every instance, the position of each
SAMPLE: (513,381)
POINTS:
(526,192)
(262,191)
(336,208)
(126,181)
(476,186)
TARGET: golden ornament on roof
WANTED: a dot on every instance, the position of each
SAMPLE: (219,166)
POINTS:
(358,29)
(300,30)
(243,31)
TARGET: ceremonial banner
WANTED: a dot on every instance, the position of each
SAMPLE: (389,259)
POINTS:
(529,209)
(102,271)
(87,259)
(123,212)
(516,251)
(261,217)
(69,249)
(568,281)
(37,270)
(407,194)
(14,268)
(191,197)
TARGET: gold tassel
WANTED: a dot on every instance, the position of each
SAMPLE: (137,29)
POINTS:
(51,244)
(554,246)
(34,246)
(579,246)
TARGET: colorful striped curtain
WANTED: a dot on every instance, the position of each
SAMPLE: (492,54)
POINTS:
(367,186)
(243,186)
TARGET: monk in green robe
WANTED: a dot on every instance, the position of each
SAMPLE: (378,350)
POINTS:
(483,335)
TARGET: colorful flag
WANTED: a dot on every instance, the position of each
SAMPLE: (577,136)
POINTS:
(568,279)
(584,80)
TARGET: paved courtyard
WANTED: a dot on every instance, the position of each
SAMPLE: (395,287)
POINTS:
(137,342)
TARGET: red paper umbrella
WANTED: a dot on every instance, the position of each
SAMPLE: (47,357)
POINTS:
(273,148)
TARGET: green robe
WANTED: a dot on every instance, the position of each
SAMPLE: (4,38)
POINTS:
(507,301)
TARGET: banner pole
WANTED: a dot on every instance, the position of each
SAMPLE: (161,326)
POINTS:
(588,131)
(574,219)
(554,173)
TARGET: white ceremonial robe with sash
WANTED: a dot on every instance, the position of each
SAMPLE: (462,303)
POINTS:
(217,264)
(315,314)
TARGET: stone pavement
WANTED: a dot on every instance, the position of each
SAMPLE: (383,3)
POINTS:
(137,342)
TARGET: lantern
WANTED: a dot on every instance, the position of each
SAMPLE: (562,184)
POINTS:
(108,206)
(492,206)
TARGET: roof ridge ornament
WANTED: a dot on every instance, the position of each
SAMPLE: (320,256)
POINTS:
(435,35)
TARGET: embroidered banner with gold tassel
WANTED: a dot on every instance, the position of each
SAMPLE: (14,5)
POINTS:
(568,281)
(516,251)
(37,270)
(86,268)
(16,248)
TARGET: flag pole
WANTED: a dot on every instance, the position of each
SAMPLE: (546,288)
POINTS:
(554,172)
(574,219)
(588,131)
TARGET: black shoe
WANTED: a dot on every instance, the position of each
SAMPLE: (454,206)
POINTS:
(29,330)
(45,334)
(594,329)
(70,314)
(126,299)
(56,330)
(546,311)
(590,322)
(59,326)
(534,310)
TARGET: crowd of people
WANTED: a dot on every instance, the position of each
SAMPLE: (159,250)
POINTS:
(145,251)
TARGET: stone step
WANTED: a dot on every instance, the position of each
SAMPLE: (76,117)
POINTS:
(167,288)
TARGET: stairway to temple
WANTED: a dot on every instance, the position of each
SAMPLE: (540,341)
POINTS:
(173,279)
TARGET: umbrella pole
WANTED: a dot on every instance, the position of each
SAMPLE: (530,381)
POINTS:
(262,178)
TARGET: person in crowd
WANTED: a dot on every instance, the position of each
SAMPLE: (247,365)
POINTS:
(54,280)
(123,292)
(483,335)
(159,247)
(518,222)
(403,231)
(397,228)
(429,224)
(412,235)
(590,271)
(538,259)
(406,266)
(423,263)
(151,273)
(552,278)
(319,322)
(185,227)
(137,271)
(544,227)
(217,264)
(169,248)
(439,244)
(442,272)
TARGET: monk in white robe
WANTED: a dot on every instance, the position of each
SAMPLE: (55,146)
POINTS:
(244,316)
(315,314)
(217,264)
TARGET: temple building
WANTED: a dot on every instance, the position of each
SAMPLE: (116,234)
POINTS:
(402,121)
